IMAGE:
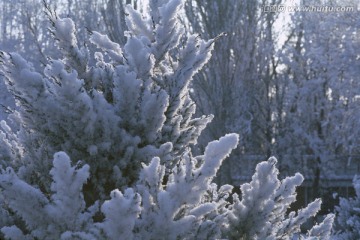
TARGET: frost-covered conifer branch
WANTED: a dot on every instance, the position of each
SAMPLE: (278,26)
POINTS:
(64,32)
(120,213)
(10,148)
(48,218)
(176,210)
(262,211)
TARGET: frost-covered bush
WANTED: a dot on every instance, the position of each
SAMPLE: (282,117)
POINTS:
(262,211)
(114,108)
(174,211)
(102,149)
(188,206)
(348,215)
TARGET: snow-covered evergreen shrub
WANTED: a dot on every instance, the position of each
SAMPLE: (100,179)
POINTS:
(348,215)
(115,110)
(261,213)
(126,114)
(188,206)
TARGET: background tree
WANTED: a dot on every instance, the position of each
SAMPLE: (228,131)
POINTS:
(319,130)
(240,85)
